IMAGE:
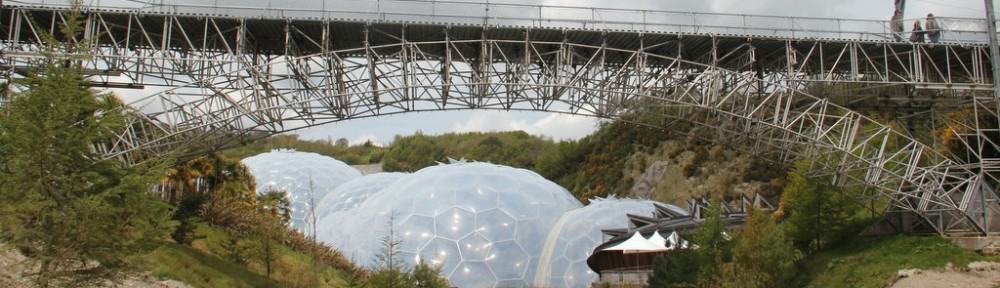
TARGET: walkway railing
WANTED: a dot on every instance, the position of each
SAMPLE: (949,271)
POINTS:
(955,30)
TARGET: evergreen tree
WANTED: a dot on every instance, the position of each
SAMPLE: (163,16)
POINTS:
(389,271)
(352,281)
(700,265)
(77,214)
(270,224)
(427,276)
(714,245)
(679,268)
(760,241)
(816,212)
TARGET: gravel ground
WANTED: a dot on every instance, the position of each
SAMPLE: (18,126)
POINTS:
(976,275)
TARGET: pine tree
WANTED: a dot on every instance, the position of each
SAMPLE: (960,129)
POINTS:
(816,212)
(714,246)
(761,241)
(427,276)
(700,266)
(270,226)
(679,268)
(389,270)
(77,214)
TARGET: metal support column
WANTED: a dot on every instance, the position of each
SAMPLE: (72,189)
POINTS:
(991,29)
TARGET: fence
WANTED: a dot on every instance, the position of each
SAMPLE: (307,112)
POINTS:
(955,30)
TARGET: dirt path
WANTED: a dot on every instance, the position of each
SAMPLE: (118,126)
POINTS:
(976,275)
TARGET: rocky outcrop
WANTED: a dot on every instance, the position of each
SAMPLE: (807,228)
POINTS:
(676,171)
(646,183)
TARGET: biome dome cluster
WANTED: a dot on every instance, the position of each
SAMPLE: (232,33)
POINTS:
(485,225)
(300,175)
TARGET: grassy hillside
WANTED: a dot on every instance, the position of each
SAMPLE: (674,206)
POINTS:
(872,262)
(208,263)
(199,269)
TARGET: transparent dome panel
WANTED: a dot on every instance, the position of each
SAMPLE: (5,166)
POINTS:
(563,262)
(305,178)
(350,195)
(479,217)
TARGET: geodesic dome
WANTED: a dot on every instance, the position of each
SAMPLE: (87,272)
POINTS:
(483,224)
(350,195)
(576,234)
(300,175)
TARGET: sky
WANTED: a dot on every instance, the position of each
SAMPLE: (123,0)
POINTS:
(562,127)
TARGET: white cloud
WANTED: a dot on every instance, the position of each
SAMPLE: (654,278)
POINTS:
(555,126)
(365,138)
(562,126)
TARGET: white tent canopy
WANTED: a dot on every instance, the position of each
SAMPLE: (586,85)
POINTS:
(659,240)
(636,243)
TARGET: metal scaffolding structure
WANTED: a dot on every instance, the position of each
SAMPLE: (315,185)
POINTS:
(214,81)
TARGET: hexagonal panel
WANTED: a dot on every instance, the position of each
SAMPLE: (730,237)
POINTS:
(519,205)
(480,199)
(579,248)
(415,232)
(441,252)
(454,223)
(437,201)
(474,247)
(496,225)
(559,267)
(508,260)
(350,195)
(472,274)
(528,231)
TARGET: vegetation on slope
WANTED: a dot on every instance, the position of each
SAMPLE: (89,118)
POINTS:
(198,268)
(217,258)
(366,153)
(872,262)
(516,149)
(723,261)
(225,217)
(594,165)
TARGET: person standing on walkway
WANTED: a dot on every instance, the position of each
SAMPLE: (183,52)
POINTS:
(917,36)
(933,29)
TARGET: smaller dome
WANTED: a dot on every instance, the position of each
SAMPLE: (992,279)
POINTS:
(351,194)
(300,175)
(578,232)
